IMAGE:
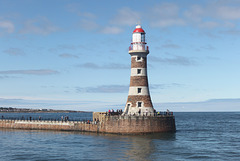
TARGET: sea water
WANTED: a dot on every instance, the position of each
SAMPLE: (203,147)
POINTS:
(199,136)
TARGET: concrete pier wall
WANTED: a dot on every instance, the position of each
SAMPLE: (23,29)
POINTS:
(108,124)
(138,124)
(48,125)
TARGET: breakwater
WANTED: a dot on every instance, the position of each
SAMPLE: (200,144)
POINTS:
(48,125)
(104,124)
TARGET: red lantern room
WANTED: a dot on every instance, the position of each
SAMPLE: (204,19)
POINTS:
(138,40)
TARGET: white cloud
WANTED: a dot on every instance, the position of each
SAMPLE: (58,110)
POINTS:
(171,46)
(231,32)
(209,24)
(208,47)
(210,15)
(195,13)
(111,30)
(7,26)
(67,47)
(213,14)
(39,25)
(126,16)
(168,22)
(30,72)
(164,15)
(105,66)
(88,20)
(7,77)
(89,15)
(65,55)
(104,89)
(227,12)
(73,7)
(175,60)
(164,86)
(14,51)
(76,9)
(88,24)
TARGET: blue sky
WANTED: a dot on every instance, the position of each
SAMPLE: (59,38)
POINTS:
(66,54)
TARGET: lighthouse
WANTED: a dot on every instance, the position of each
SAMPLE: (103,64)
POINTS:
(139,100)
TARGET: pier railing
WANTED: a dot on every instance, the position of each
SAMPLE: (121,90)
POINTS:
(44,119)
(157,113)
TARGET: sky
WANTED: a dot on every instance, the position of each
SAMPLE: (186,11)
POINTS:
(73,55)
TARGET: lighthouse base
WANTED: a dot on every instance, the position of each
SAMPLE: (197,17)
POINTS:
(135,124)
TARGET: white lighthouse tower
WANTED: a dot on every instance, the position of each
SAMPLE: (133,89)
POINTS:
(139,100)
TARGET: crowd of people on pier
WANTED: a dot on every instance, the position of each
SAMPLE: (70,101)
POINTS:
(155,113)
(96,121)
(112,112)
(64,118)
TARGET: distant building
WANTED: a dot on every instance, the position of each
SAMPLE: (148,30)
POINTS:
(44,110)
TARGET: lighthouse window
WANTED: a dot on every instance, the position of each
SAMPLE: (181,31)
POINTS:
(142,38)
(138,58)
(139,71)
(139,104)
(139,90)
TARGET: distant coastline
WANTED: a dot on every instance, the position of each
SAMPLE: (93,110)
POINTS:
(25,110)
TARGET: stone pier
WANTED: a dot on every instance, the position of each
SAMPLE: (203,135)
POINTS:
(118,124)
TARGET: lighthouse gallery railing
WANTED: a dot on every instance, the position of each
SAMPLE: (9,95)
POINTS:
(138,46)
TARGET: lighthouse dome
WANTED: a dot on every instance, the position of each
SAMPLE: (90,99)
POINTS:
(139,29)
